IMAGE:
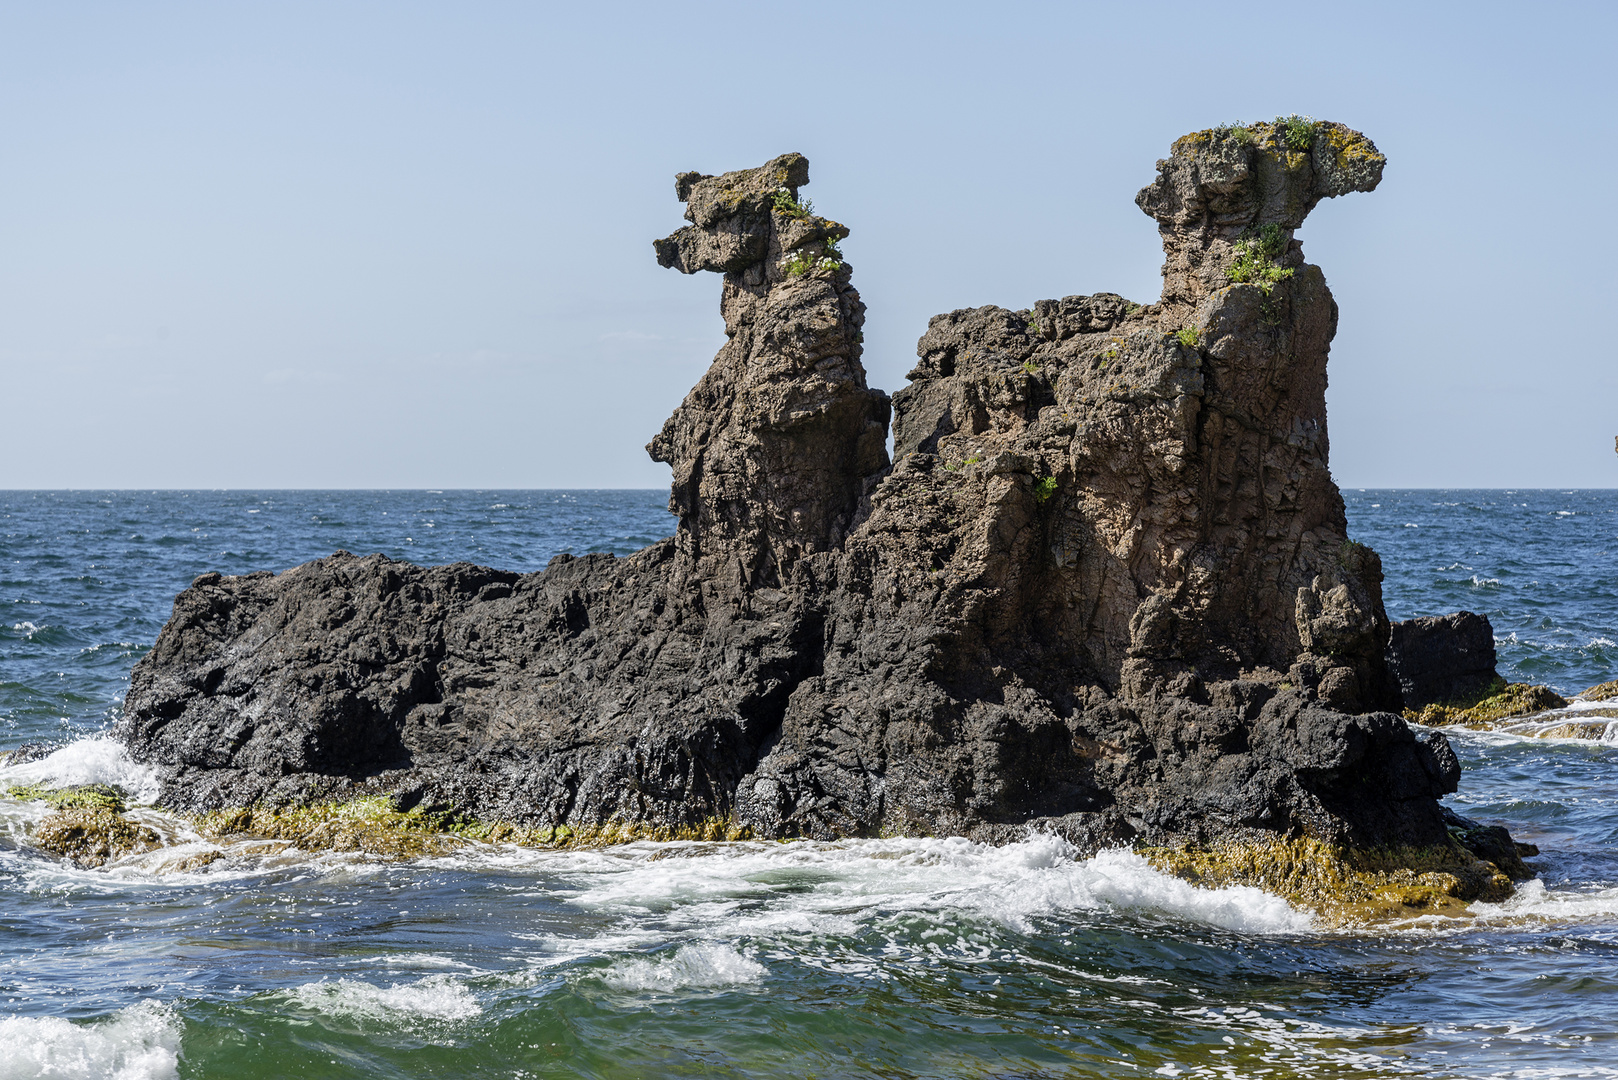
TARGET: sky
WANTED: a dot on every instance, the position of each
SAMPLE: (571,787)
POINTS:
(399,245)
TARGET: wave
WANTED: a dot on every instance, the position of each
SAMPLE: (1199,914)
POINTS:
(95,760)
(692,966)
(141,1042)
(829,888)
(1533,900)
(436,997)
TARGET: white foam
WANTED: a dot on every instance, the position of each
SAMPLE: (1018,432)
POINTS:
(1533,900)
(830,885)
(437,997)
(1123,879)
(96,760)
(697,965)
(425,960)
(141,1042)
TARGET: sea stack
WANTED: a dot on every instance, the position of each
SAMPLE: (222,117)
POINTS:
(1104,588)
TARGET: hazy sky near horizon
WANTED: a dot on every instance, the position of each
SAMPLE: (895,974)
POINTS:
(408,245)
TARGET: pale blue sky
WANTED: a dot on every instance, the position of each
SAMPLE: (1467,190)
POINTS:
(409,245)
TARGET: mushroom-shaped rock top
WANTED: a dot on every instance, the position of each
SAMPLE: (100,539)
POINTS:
(1262,174)
(729,215)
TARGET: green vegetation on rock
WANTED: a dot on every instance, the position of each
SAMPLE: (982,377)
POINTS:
(802,264)
(1256,253)
(1297,132)
(1498,701)
(800,209)
(1343,885)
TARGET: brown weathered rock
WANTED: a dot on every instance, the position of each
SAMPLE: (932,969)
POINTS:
(1190,528)
(771,449)
(1602,692)
(1105,587)
(1225,184)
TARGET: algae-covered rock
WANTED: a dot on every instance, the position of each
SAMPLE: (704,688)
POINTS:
(79,796)
(377,827)
(1495,703)
(92,836)
(1344,885)
(1603,692)
(371,825)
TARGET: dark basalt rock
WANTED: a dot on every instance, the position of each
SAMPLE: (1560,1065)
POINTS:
(1105,587)
(1442,658)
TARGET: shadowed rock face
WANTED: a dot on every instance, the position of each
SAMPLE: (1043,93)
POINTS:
(1105,587)
(1442,658)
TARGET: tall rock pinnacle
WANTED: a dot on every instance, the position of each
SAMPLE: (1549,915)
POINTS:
(772,447)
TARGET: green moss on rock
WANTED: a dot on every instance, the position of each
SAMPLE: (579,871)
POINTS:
(1343,885)
(375,826)
(1498,701)
(92,836)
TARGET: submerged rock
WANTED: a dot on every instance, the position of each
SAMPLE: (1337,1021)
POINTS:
(92,836)
(1105,588)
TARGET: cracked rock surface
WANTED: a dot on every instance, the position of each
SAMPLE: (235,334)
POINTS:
(1104,587)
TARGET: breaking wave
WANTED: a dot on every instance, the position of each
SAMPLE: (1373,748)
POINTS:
(141,1042)
(96,760)
(692,966)
(436,997)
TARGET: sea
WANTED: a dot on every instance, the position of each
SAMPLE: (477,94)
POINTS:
(891,958)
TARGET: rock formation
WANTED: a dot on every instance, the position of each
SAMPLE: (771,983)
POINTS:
(1105,587)
(772,447)
(1443,658)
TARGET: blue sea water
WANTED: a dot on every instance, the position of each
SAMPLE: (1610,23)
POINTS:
(894,958)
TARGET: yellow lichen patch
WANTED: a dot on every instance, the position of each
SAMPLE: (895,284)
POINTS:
(92,836)
(373,826)
(1497,702)
(1343,885)
(1190,144)
(1350,146)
